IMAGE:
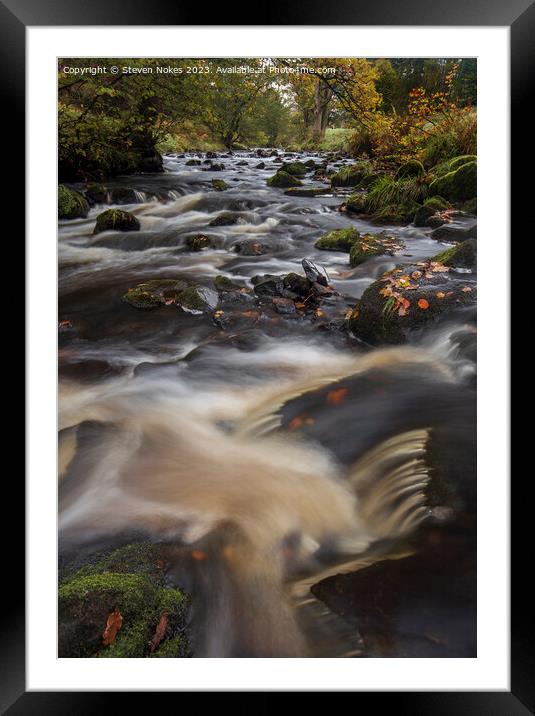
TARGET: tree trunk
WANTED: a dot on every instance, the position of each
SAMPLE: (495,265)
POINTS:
(321,109)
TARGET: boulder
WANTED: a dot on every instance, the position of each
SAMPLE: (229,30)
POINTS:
(198,242)
(463,255)
(225,219)
(369,245)
(116,220)
(412,168)
(171,292)
(430,208)
(406,299)
(297,169)
(282,180)
(338,240)
(454,233)
(96,193)
(193,162)
(308,191)
(71,204)
(457,185)
(219,184)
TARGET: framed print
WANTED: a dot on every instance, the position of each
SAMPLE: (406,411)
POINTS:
(258,428)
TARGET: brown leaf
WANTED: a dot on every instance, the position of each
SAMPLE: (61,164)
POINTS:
(423,304)
(159,634)
(335,397)
(113,624)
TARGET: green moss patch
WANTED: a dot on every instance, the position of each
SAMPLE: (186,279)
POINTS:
(282,180)
(338,240)
(116,220)
(71,204)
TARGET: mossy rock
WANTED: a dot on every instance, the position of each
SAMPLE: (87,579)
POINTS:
(377,318)
(457,185)
(311,164)
(470,206)
(307,191)
(430,207)
(282,180)
(71,204)
(116,220)
(153,294)
(130,584)
(463,255)
(297,284)
(356,204)
(122,195)
(338,240)
(352,176)
(219,184)
(224,284)
(397,213)
(412,168)
(198,242)
(452,164)
(296,169)
(193,163)
(366,247)
(96,193)
(225,219)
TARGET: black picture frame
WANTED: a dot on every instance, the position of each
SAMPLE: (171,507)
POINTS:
(15,17)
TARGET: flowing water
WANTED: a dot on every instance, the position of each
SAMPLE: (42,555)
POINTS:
(181,430)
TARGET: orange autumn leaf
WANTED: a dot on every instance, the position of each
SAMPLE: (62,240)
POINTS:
(113,624)
(335,397)
(159,633)
(441,294)
(198,555)
(423,304)
(298,421)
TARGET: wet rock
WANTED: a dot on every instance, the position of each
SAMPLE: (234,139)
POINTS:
(454,233)
(225,219)
(242,164)
(429,208)
(463,255)
(300,285)
(338,240)
(171,292)
(215,167)
(370,245)
(111,606)
(198,242)
(71,204)
(193,163)
(307,191)
(116,220)
(268,285)
(122,195)
(262,165)
(284,305)
(314,273)
(224,284)
(251,247)
(219,184)
(282,180)
(406,299)
(211,155)
(297,169)
(96,193)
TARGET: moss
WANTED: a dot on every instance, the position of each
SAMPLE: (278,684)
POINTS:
(190,299)
(457,185)
(338,240)
(297,169)
(222,283)
(366,247)
(116,220)
(396,213)
(352,176)
(412,168)
(429,208)
(153,294)
(219,184)
(294,282)
(452,164)
(176,648)
(356,203)
(85,602)
(282,180)
(305,191)
(198,242)
(463,255)
(71,204)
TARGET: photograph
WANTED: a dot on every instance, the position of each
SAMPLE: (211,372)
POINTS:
(266,358)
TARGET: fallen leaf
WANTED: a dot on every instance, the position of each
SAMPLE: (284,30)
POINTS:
(466,289)
(113,624)
(159,634)
(423,304)
(335,397)
(440,294)
(198,555)
(416,274)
